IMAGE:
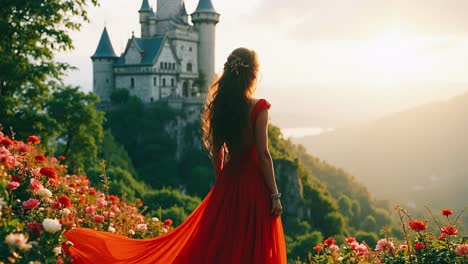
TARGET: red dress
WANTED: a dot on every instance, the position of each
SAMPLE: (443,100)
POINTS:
(231,225)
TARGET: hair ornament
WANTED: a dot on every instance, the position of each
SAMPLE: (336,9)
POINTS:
(235,62)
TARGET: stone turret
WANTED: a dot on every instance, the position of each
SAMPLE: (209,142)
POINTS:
(205,19)
(103,72)
(145,14)
(168,9)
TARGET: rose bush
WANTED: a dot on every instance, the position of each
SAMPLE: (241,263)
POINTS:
(419,245)
(39,200)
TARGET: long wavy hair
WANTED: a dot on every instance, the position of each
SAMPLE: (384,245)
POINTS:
(227,106)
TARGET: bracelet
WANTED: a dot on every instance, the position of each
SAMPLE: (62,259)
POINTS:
(275,196)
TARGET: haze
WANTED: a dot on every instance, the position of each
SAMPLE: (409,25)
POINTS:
(324,63)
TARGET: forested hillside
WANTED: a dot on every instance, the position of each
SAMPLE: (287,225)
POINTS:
(319,199)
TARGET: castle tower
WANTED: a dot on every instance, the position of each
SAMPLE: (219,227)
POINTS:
(168,9)
(183,15)
(145,13)
(103,72)
(205,19)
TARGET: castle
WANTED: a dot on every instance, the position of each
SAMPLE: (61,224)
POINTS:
(173,60)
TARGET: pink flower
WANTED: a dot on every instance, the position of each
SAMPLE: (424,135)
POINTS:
(142,227)
(384,245)
(31,203)
(362,250)
(35,185)
(98,219)
(90,210)
(403,247)
(462,250)
(101,202)
(12,185)
(334,248)
(354,245)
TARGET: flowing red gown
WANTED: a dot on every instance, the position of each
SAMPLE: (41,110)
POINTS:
(232,224)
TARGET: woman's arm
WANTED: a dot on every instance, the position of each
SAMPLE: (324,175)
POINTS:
(264,157)
(218,162)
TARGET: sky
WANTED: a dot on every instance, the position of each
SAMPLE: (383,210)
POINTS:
(327,63)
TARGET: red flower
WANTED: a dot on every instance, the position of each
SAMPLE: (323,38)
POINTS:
(113,199)
(40,158)
(442,236)
(447,212)
(329,241)
(318,248)
(92,191)
(61,157)
(65,201)
(417,225)
(168,222)
(16,178)
(31,203)
(34,139)
(49,172)
(98,219)
(12,185)
(59,260)
(449,230)
(418,246)
(350,240)
(6,142)
(66,248)
(36,228)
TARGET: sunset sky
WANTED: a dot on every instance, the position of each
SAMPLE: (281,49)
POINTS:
(328,62)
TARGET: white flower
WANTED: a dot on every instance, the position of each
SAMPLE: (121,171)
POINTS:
(164,230)
(44,193)
(51,225)
(142,227)
(111,229)
(155,219)
(34,262)
(18,241)
(57,251)
(65,211)
(131,232)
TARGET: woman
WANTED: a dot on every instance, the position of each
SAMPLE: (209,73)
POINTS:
(238,221)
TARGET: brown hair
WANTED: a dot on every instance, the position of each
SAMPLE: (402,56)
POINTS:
(227,106)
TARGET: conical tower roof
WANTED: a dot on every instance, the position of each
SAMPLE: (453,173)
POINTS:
(183,10)
(205,6)
(104,49)
(145,7)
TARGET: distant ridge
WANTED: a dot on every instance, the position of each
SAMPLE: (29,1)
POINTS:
(416,157)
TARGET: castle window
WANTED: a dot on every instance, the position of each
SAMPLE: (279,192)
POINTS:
(185,89)
(154,81)
(132,83)
(172,82)
(165,65)
(162,65)
(189,67)
(173,65)
(190,48)
(164,82)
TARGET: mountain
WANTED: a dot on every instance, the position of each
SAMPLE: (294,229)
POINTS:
(417,157)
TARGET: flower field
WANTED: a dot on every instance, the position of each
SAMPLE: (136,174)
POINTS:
(39,200)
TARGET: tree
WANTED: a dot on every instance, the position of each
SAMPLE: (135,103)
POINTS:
(79,126)
(31,33)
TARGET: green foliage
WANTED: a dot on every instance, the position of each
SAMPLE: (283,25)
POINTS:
(79,126)
(370,238)
(304,243)
(369,224)
(142,131)
(32,32)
